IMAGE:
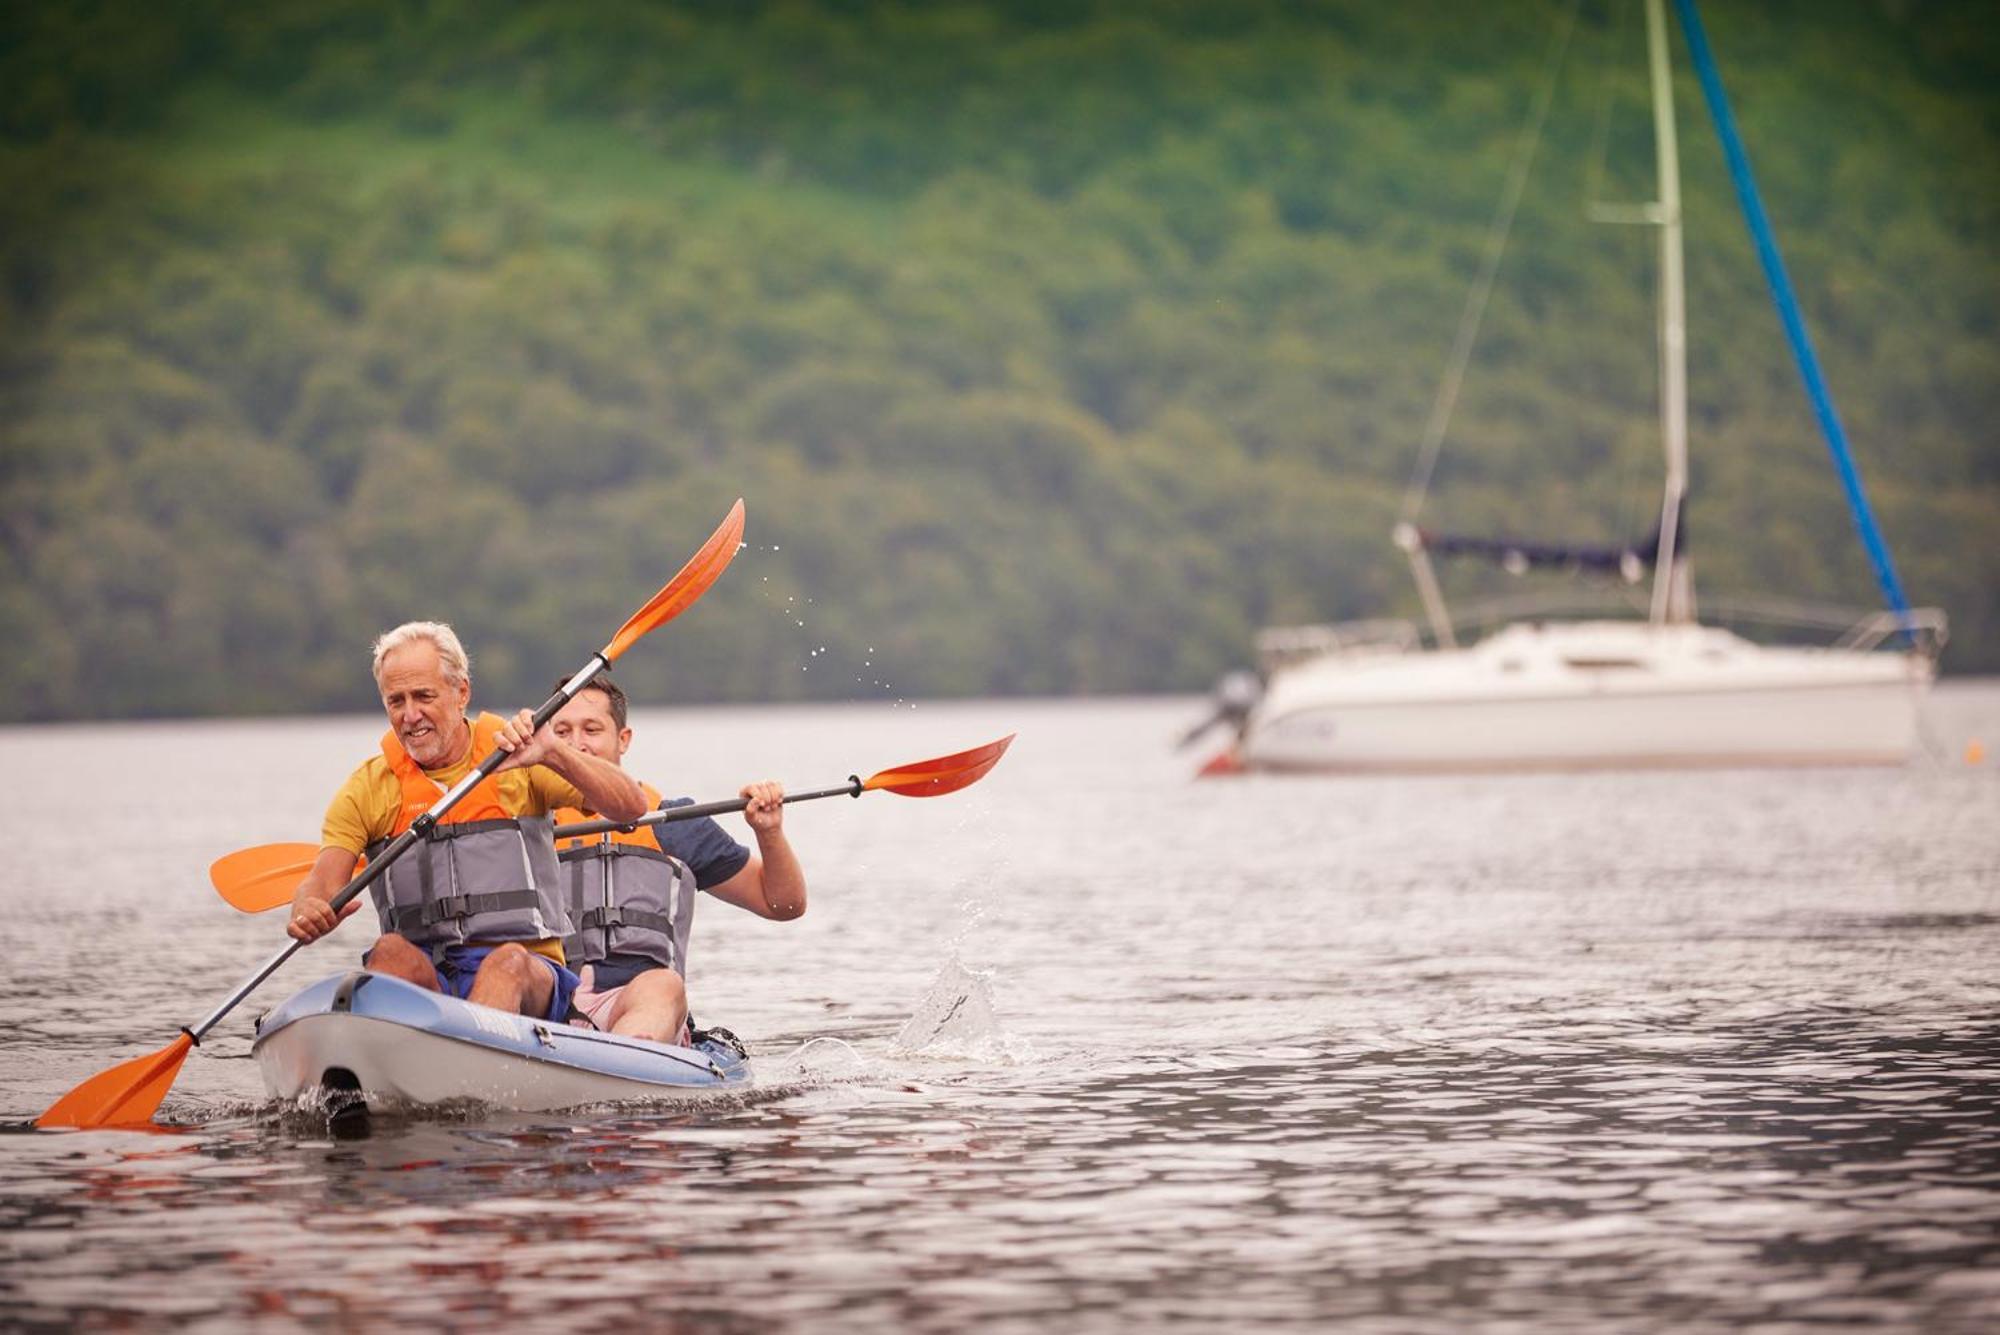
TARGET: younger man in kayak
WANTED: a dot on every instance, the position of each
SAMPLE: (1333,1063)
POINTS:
(475,909)
(632,894)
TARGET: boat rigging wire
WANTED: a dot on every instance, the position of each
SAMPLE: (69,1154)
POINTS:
(1598,207)
(1502,226)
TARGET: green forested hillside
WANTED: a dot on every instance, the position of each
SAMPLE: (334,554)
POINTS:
(1056,347)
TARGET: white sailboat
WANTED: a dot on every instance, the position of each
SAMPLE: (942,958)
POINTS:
(1553,693)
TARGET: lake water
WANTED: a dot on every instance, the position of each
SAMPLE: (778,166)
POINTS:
(1085,1046)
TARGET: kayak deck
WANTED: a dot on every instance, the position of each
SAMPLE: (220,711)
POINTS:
(396,1043)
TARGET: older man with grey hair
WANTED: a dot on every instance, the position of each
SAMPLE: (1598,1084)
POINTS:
(475,909)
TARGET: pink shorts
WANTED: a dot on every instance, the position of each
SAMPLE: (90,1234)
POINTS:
(599,1009)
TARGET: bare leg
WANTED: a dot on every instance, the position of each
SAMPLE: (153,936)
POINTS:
(653,1005)
(396,957)
(513,978)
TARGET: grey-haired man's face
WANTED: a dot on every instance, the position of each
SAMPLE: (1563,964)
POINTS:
(425,708)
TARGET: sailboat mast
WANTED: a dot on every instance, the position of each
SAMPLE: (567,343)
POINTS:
(1670,599)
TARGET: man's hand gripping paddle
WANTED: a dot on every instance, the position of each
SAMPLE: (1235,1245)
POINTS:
(129,1093)
(264,877)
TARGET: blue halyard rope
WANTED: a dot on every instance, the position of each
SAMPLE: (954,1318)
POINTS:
(1788,310)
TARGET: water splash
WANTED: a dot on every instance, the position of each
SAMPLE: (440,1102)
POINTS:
(956,1019)
(826,657)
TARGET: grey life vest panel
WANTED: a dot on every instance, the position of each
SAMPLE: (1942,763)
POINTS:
(627,899)
(480,880)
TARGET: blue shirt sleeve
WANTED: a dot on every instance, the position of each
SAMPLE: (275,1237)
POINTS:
(706,847)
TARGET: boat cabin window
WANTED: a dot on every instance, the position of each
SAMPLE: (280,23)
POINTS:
(1599,664)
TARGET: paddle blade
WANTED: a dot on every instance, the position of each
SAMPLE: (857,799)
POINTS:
(126,1095)
(680,592)
(946,774)
(264,877)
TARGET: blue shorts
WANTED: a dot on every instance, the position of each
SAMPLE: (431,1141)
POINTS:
(460,966)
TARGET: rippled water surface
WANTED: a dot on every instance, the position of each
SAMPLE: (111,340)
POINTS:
(1085,1045)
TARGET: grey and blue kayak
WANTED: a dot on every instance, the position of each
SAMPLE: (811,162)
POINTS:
(397,1044)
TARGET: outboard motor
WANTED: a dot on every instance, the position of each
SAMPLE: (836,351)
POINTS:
(1235,695)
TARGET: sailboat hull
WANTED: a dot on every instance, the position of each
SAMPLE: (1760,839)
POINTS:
(1590,695)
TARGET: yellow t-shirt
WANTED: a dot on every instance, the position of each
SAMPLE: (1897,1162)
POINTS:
(364,810)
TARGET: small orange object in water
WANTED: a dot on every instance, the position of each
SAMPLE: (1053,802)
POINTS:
(1222,763)
(1975,754)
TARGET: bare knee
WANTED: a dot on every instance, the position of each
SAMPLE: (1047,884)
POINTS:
(512,977)
(658,987)
(511,960)
(512,968)
(654,1006)
(395,956)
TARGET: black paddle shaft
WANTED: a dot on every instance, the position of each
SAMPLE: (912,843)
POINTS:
(665,815)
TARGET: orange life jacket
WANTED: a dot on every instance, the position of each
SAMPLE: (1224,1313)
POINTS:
(645,836)
(484,874)
(420,790)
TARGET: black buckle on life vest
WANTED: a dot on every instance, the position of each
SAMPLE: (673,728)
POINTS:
(457,907)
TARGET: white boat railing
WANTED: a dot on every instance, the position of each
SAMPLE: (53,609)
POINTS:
(1767,620)
(1282,646)
(1849,628)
